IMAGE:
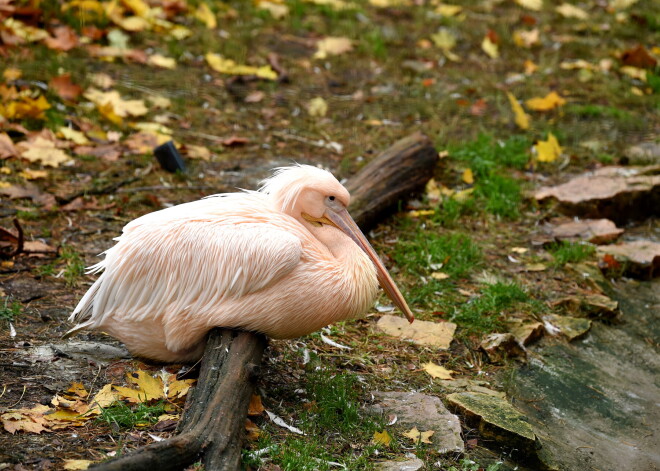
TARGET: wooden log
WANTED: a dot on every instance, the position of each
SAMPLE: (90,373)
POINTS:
(399,171)
(213,422)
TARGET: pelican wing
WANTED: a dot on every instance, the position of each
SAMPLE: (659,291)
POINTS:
(188,267)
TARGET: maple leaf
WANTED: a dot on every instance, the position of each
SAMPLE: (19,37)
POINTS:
(7,148)
(65,88)
(149,387)
(417,436)
(27,108)
(179,388)
(521,118)
(382,438)
(71,134)
(551,101)
(64,39)
(549,150)
(111,102)
(44,151)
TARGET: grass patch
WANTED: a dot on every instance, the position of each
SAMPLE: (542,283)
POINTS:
(569,252)
(68,265)
(10,311)
(599,111)
(121,415)
(467,464)
(484,314)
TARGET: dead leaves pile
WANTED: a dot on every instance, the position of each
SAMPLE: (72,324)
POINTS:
(75,407)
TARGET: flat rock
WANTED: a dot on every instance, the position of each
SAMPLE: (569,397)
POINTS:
(596,231)
(500,347)
(408,465)
(616,193)
(425,412)
(646,153)
(435,334)
(496,420)
(571,327)
(640,258)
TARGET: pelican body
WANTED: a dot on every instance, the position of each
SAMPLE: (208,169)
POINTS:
(285,261)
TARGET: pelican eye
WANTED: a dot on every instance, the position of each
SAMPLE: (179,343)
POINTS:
(331,198)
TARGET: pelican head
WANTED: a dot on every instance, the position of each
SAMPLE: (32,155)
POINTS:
(315,196)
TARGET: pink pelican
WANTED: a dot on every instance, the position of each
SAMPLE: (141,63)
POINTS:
(285,261)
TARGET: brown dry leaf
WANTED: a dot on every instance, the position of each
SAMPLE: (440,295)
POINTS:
(7,148)
(255,407)
(37,247)
(108,152)
(234,141)
(64,39)
(437,371)
(530,67)
(417,436)
(521,118)
(382,438)
(27,420)
(638,57)
(141,142)
(229,67)
(549,102)
(332,46)
(549,150)
(44,151)
(65,88)
(437,334)
(253,431)
(29,190)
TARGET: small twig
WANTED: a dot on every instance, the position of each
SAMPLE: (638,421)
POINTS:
(282,74)
(111,188)
(20,398)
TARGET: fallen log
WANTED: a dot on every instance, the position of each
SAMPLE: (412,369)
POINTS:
(213,421)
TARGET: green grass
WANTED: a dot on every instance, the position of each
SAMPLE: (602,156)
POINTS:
(9,311)
(598,111)
(121,415)
(570,252)
(69,265)
(467,464)
(485,313)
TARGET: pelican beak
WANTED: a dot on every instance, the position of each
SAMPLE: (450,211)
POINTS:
(344,222)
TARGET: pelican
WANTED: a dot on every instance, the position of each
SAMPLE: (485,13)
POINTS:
(285,260)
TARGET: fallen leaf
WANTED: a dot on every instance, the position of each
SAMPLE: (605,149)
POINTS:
(104,398)
(535,5)
(277,10)
(530,67)
(490,48)
(438,275)
(571,11)
(229,67)
(622,4)
(317,107)
(204,14)
(437,334)
(76,465)
(445,9)
(44,151)
(30,174)
(161,61)
(551,101)
(521,118)
(382,438)
(7,148)
(437,371)
(234,141)
(526,39)
(417,436)
(549,150)
(64,39)
(102,80)
(11,73)
(29,190)
(332,46)
(152,387)
(65,88)
(198,152)
(445,40)
(467,176)
(26,107)
(78,389)
(638,57)
(634,72)
(71,134)
(113,100)
(179,388)
(252,429)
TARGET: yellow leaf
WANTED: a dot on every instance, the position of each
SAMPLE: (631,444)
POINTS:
(467,176)
(548,151)
(71,134)
(228,66)
(418,436)
(30,174)
(535,5)
(12,73)
(179,388)
(437,371)
(108,112)
(104,398)
(276,10)
(198,152)
(23,31)
(420,212)
(179,32)
(152,387)
(521,118)
(139,7)
(113,102)
(27,108)
(389,3)
(530,67)
(78,389)
(206,16)
(526,39)
(161,61)
(67,416)
(382,438)
(463,195)
(77,465)
(317,107)
(448,10)
(332,46)
(438,275)
(133,24)
(44,151)
(622,4)
(490,48)
(551,101)
(571,11)
(634,72)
